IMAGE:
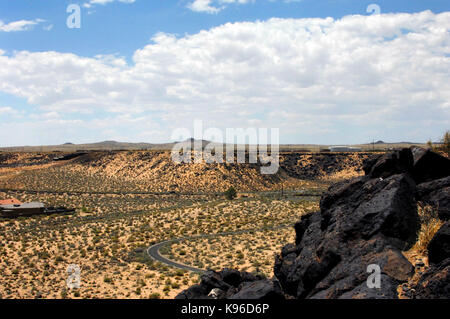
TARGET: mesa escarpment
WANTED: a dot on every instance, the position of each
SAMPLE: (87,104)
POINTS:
(154,171)
(368,221)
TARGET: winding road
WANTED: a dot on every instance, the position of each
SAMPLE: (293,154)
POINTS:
(153,251)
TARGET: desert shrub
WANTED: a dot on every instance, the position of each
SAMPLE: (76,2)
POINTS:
(230,193)
(180,272)
(107,279)
(429,225)
(444,147)
(154,295)
(59,259)
(446,142)
(175,285)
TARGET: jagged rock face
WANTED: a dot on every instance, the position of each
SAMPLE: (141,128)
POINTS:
(260,290)
(364,207)
(439,246)
(437,194)
(232,284)
(368,220)
(328,263)
(429,165)
(389,164)
(435,282)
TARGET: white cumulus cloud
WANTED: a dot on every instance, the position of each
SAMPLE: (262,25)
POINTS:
(323,79)
(103,2)
(20,25)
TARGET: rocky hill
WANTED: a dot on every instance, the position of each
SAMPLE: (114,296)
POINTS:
(364,224)
(155,171)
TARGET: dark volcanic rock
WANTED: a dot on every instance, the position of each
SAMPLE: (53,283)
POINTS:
(362,222)
(370,162)
(300,228)
(364,207)
(429,165)
(439,246)
(366,221)
(389,164)
(232,284)
(261,290)
(194,292)
(435,282)
(387,290)
(437,194)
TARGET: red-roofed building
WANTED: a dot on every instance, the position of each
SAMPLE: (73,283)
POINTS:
(11,201)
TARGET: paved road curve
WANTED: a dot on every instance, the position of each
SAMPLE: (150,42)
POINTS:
(153,251)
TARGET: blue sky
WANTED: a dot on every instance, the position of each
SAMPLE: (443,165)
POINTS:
(207,60)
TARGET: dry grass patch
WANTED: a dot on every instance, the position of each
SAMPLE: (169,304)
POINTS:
(429,225)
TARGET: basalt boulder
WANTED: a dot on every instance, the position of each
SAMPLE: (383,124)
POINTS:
(396,162)
(439,246)
(232,284)
(435,282)
(362,222)
(359,234)
(437,194)
(429,165)
(260,290)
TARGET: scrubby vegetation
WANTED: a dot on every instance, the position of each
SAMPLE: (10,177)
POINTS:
(127,201)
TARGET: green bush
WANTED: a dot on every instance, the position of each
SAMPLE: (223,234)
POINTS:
(231,193)
(446,142)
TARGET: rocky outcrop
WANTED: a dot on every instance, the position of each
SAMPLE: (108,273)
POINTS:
(363,222)
(318,165)
(389,164)
(437,194)
(359,234)
(435,282)
(366,221)
(429,165)
(232,284)
(439,246)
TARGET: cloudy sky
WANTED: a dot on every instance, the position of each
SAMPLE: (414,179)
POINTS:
(327,72)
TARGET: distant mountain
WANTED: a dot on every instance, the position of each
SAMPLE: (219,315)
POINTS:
(98,146)
(120,146)
(390,143)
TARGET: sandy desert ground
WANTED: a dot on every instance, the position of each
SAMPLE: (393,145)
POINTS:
(127,201)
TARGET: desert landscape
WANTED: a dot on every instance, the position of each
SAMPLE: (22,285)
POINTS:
(126,201)
(204,154)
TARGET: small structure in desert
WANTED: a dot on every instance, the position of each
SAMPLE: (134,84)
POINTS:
(12,208)
(10,201)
